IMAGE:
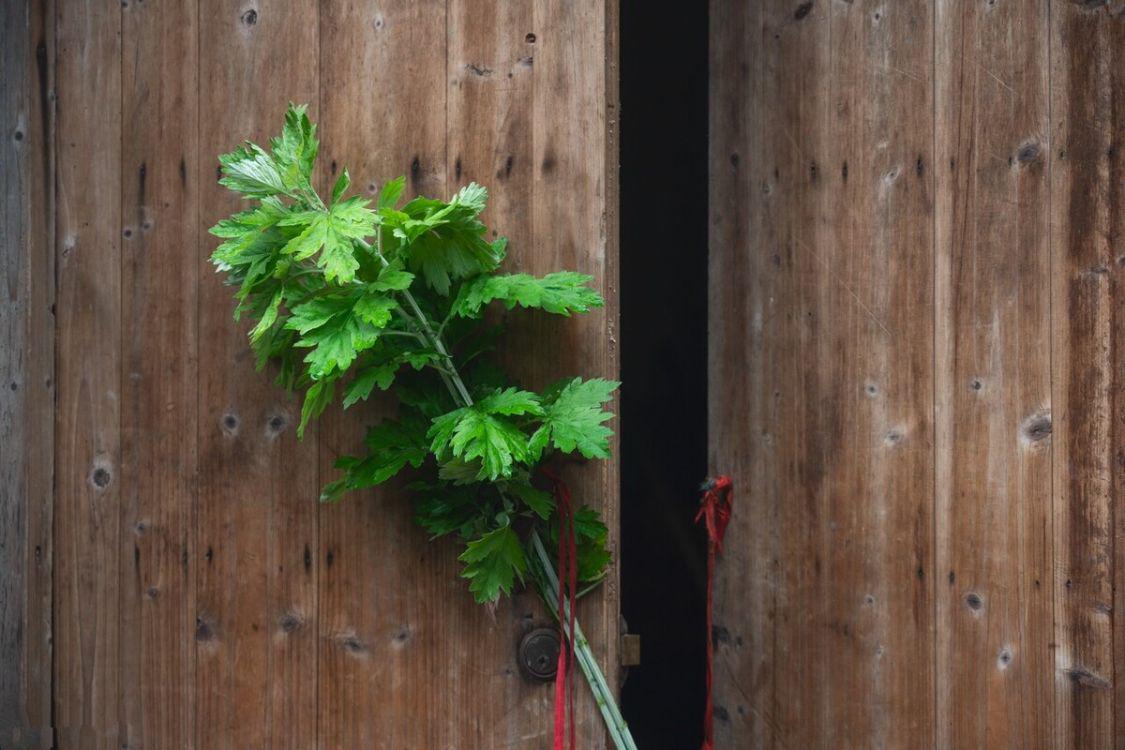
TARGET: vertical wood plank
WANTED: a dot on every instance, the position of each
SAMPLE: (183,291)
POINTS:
(389,646)
(574,224)
(875,310)
(27,288)
(255,627)
(159,268)
(86,636)
(743,353)
(830,363)
(1088,323)
(491,77)
(994,605)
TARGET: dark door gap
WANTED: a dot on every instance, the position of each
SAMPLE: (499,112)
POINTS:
(663,188)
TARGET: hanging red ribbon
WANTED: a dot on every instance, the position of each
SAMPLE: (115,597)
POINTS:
(568,595)
(714,510)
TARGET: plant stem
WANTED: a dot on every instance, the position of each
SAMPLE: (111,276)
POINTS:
(614,721)
(603,696)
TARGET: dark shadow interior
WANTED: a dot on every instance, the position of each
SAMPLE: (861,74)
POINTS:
(664,364)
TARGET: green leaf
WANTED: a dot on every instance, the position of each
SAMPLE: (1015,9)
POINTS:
(590,534)
(561,293)
(317,399)
(539,502)
(493,563)
(511,402)
(391,192)
(250,170)
(444,509)
(375,309)
(294,151)
(336,334)
(381,375)
(341,186)
(481,432)
(471,433)
(391,446)
(392,278)
(444,241)
(331,233)
(573,420)
(269,317)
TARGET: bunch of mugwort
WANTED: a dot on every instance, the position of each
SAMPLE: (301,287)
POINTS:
(348,297)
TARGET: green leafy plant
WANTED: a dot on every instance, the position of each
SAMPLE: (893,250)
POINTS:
(350,297)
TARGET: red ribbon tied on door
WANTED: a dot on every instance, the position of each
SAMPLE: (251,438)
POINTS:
(714,511)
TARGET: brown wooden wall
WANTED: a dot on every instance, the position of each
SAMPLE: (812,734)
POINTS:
(160,541)
(917,372)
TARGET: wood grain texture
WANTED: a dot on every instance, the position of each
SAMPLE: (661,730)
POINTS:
(822,366)
(573,215)
(88,705)
(1087,120)
(389,599)
(255,554)
(159,282)
(201,598)
(968,286)
(743,353)
(993,503)
(27,288)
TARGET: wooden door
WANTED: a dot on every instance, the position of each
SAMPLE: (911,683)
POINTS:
(916,376)
(194,593)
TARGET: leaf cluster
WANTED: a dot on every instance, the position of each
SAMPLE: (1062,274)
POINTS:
(350,296)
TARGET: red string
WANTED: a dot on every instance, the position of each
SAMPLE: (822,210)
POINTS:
(714,509)
(568,595)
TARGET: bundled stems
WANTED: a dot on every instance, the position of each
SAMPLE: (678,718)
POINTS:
(549,590)
(548,582)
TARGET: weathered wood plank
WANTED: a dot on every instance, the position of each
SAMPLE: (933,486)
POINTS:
(255,555)
(573,218)
(87,452)
(743,352)
(159,276)
(874,301)
(387,653)
(830,363)
(1087,105)
(27,335)
(994,603)
(492,72)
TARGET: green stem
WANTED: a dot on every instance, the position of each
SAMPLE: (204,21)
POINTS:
(614,721)
(603,696)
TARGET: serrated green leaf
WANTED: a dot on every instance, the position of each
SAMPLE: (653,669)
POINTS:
(317,399)
(375,309)
(250,170)
(444,241)
(540,503)
(269,316)
(392,278)
(511,402)
(493,563)
(573,420)
(391,192)
(331,233)
(341,186)
(295,150)
(472,433)
(560,293)
(391,446)
(459,472)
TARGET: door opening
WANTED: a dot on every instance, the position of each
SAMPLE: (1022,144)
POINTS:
(663,140)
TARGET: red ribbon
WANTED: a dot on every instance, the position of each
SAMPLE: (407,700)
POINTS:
(568,595)
(714,510)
